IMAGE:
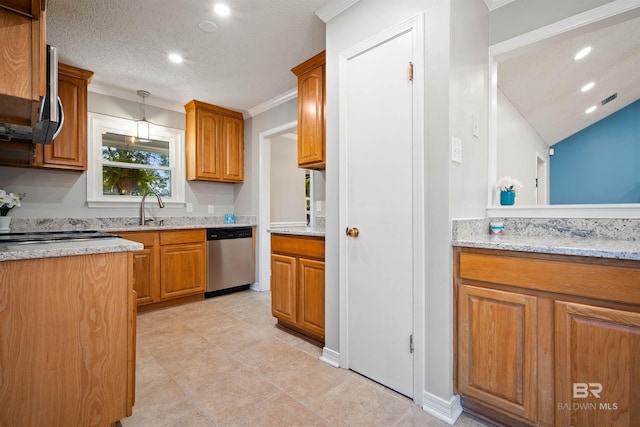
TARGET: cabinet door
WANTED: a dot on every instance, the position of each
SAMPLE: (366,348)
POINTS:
(311,286)
(183,270)
(233,149)
(496,349)
(209,132)
(311,126)
(146,270)
(283,287)
(69,149)
(597,353)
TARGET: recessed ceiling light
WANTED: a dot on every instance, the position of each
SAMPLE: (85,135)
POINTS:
(587,87)
(222,9)
(584,52)
(591,109)
(175,58)
(208,26)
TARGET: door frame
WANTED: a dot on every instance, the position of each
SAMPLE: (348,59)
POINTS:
(415,26)
(264,203)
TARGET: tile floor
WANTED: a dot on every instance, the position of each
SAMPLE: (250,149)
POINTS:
(222,362)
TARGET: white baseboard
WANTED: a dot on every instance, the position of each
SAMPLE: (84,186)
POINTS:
(258,287)
(330,357)
(447,411)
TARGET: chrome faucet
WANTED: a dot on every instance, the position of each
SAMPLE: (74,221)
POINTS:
(160,203)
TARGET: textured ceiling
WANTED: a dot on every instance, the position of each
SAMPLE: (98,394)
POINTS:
(544,84)
(244,63)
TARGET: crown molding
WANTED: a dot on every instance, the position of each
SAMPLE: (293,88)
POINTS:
(273,102)
(334,8)
(494,4)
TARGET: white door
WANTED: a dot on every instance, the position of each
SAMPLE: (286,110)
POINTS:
(379,178)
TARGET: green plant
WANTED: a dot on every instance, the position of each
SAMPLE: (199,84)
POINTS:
(118,180)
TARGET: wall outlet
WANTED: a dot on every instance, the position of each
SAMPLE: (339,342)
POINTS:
(318,206)
(456,150)
(189,207)
(210,209)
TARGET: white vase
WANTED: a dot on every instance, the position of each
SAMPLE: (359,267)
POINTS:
(5,222)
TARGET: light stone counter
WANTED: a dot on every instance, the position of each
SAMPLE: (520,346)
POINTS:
(18,251)
(299,231)
(618,238)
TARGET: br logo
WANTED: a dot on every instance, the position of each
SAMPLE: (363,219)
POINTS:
(584,390)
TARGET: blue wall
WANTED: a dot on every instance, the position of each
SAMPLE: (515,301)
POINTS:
(599,164)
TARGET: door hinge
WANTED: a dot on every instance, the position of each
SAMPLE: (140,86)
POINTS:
(411,343)
(410,71)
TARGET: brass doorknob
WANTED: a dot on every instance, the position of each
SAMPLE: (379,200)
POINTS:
(353,232)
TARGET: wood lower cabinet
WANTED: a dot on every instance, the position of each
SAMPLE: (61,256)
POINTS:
(214,143)
(597,365)
(171,268)
(496,338)
(547,339)
(297,283)
(67,341)
(311,112)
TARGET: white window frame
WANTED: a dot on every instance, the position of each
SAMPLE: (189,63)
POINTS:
(99,124)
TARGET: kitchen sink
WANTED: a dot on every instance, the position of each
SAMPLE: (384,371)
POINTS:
(53,236)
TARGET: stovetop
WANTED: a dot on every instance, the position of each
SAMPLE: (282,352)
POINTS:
(53,236)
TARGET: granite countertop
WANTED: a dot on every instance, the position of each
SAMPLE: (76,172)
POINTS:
(18,251)
(170,227)
(601,238)
(299,231)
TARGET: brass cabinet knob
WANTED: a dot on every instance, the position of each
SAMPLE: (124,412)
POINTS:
(353,232)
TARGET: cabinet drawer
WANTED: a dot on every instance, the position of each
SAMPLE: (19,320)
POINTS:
(147,239)
(312,247)
(182,236)
(605,282)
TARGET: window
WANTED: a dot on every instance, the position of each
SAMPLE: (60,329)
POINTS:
(123,167)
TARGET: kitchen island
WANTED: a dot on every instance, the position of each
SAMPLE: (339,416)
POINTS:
(547,327)
(67,341)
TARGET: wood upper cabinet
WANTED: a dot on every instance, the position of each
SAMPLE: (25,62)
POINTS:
(214,143)
(69,149)
(22,64)
(547,339)
(297,283)
(31,8)
(496,336)
(597,365)
(170,269)
(311,112)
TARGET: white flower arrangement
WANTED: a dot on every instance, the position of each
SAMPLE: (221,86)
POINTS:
(506,183)
(9,201)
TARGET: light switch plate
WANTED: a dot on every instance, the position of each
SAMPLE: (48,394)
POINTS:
(189,207)
(456,150)
(318,206)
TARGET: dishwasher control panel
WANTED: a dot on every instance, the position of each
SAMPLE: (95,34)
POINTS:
(229,233)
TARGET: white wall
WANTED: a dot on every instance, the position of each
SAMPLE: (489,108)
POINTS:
(518,145)
(59,194)
(287,183)
(246,194)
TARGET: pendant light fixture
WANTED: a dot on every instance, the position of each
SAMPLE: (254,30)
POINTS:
(142,126)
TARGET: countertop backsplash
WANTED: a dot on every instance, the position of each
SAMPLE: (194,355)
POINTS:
(599,228)
(124,223)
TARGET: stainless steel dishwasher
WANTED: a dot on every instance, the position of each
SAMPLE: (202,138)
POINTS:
(229,260)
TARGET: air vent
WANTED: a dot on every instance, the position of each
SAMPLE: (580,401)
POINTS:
(609,99)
